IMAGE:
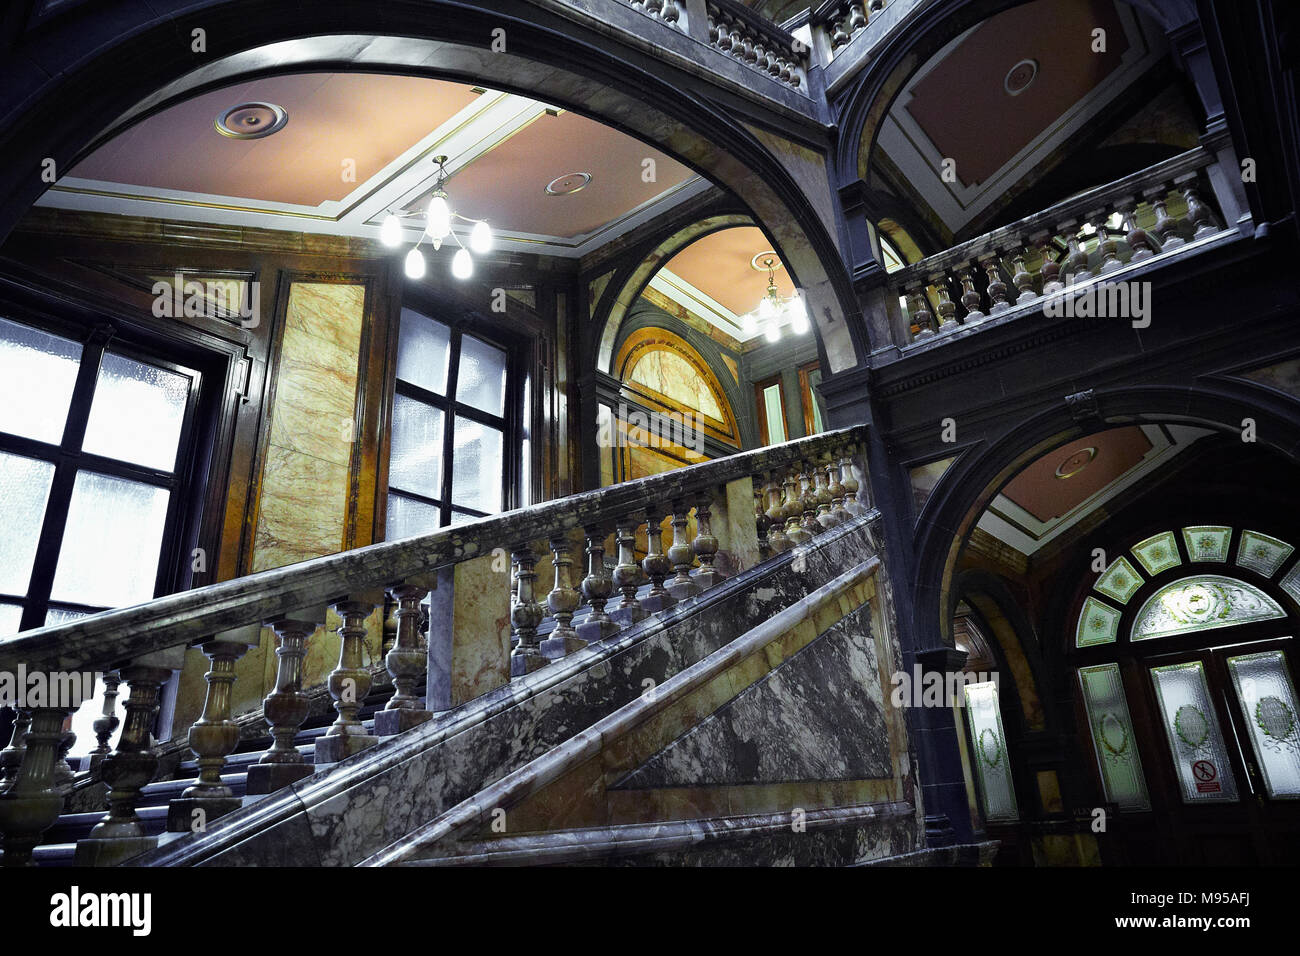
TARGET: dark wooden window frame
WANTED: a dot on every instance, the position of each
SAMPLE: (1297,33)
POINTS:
(761,408)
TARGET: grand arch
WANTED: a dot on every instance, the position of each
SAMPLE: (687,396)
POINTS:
(69,78)
(983,467)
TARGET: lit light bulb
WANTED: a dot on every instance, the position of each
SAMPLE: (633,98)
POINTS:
(798,314)
(414,264)
(390,233)
(766,310)
(462,266)
(749,323)
(773,333)
(480,238)
(439,217)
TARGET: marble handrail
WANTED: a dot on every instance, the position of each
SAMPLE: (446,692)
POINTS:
(109,639)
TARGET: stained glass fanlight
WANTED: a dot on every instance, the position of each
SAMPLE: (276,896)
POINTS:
(1098,624)
(1202,603)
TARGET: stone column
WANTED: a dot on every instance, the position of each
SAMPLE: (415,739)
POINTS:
(31,804)
(214,736)
(469,630)
(349,682)
(406,662)
(286,707)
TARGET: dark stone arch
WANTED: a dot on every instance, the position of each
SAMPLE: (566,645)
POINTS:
(90,63)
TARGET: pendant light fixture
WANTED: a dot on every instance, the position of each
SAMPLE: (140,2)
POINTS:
(772,308)
(437,227)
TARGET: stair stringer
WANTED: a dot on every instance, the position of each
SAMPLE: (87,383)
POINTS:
(361,805)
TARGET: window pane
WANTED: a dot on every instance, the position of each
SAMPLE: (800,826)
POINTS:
(1195,739)
(137,413)
(11,616)
(24,490)
(476,466)
(1268,703)
(989,751)
(408,518)
(423,352)
(1113,738)
(37,372)
(415,462)
(481,380)
(772,409)
(112,541)
(1201,604)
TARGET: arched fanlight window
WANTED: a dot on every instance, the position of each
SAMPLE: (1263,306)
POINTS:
(1201,603)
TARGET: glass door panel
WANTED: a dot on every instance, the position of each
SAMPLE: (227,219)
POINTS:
(988,744)
(1263,689)
(1201,759)
(1113,737)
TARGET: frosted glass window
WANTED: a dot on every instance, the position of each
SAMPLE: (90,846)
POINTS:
(1262,553)
(1112,737)
(112,541)
(989,751)
(137,413)
(24,492)
(1201,604)
(775,417)
(1195,738)
(1120,581)
(481,378)
(11,616)
(408,518)
(1268,702)
(1098,624)
(423,352)
(37,374)
(415,460)
(1207,542)
(1158,552)
(476,466)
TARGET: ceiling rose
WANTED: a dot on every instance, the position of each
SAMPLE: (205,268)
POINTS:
(1080,460)
(1020,76)
(568,184)
(251,120)
(765,261)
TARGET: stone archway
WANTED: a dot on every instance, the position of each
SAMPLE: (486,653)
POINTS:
(128,60)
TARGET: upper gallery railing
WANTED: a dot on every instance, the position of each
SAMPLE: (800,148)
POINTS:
(789,493)
(1094,235)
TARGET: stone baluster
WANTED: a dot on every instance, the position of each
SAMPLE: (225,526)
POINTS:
(852,503)
(11,758)
(214,736)
(1166,226)
(1048,269)
(562,601)
(107,721)
(1023,279)
(1076,260)
(776,536)
(705,544)
(130,767)
(390,625)
(836,488)
(875,6)
(681,554)
(793,509)
(822,493)
(761,523)
(997,289)
(31,804)
(63,772)
(1106,244)
(857,18)
(919,307)
(808,498)
(1138,239)
(1198,212)
(349,682)
(405,663)
(947,308)
(656,564)
(597,588)
(671,13)
(286,707)
(627,573)
(839,29)
(526,613)
(970,298)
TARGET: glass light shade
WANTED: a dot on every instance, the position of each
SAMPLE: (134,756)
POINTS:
(798,313)
(480,238)
(414,264)
(462,266)
(766,310)
(749,323)
(390,233)
(773,333)
(439,223)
